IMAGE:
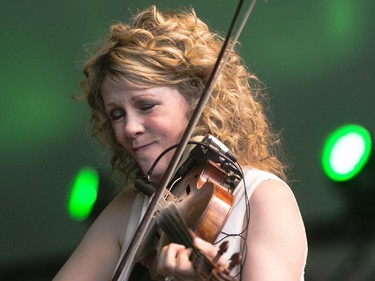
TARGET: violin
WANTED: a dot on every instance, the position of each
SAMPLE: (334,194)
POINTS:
(197,203)
(206,268)
(202,179)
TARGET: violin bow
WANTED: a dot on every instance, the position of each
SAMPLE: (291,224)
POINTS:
(127,259)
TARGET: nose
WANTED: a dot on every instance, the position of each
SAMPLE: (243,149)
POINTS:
(133,125)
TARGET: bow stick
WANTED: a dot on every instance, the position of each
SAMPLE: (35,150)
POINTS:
(128,257)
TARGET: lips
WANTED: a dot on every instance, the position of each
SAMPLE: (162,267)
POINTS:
(142,147)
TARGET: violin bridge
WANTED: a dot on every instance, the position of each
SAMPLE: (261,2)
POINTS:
(167,197)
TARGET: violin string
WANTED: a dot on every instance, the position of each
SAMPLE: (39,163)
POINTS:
(183,235)
(180,232)
(174,225)
(171,227)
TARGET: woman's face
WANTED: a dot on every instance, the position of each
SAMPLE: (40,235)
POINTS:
(146,122)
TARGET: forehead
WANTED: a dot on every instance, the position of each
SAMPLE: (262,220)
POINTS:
(115,91)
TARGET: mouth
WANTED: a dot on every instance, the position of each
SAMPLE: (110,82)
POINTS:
(141,148)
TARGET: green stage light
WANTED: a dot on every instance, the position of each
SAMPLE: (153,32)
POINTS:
(346,152)
(83,193)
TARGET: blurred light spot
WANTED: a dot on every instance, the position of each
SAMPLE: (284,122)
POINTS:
(83,193)
(345,152)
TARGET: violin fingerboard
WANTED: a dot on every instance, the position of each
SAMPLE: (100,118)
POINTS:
(175,227)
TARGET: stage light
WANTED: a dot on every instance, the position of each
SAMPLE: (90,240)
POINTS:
(83,193)
(346,152)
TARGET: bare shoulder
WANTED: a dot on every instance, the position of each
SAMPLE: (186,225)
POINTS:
(116,215)
(276,239)
(273,203)
(97,254)
(122,201)
(273,193)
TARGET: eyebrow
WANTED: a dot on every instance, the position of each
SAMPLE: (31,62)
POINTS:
(134,98)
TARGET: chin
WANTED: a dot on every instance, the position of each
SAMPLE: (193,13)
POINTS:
(157,176)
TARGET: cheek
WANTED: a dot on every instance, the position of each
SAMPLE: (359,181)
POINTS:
(181,126)
(170,128)
(118,134)
(178,128)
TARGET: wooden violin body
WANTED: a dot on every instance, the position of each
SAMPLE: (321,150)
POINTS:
(204,204)
(199,203)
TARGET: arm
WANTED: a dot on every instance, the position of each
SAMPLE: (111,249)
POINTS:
(96,256)
(276,240)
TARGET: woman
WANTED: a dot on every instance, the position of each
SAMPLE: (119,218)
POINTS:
(142,84)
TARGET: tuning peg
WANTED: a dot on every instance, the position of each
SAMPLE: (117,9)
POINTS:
(234,260)
(222,249)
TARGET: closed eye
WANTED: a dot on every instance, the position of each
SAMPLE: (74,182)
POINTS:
(116,114)
(147,107)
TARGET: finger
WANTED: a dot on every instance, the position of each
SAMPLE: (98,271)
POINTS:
(210,251)
(166,263)
(185,270)
(205,247)
(184,267)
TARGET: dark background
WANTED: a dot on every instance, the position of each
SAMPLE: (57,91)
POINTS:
(316,57)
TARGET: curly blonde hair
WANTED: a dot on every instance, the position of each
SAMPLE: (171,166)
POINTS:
(177,49)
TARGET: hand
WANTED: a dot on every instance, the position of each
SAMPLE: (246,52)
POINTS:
(174,260)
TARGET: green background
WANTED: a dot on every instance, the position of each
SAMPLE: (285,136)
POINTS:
(316,57)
